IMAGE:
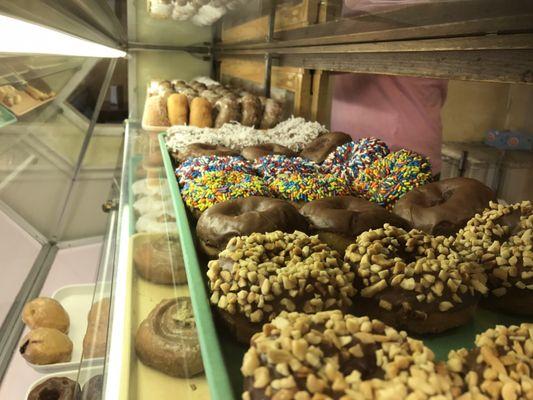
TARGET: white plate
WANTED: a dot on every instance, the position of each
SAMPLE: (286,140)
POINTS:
(84,376)
(77,301)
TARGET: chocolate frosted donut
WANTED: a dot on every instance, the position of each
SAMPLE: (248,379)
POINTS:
(203,149)
(252,153)
(244,216)
(56,389)
(168,341)
(444,207)
(338,220)
(329,355)
(499,367)
(262,274)
(501,240)
(324,145)
(92,390)
(414,281)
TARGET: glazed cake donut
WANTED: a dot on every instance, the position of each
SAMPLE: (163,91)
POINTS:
(252,153)
(414,281)
(501,239)
(227,109)
(272,114)
(339,220)
(320,148)
(202,149)
(241,217)
(167,339)
(499,367)
(258,276)
(57,389)
(251,110)
(217,186)
(329,355)
(444,207)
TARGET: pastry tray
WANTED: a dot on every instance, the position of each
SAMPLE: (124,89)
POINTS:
(220,347)
(81,376)
(77,301)
(144,382)
(26,104)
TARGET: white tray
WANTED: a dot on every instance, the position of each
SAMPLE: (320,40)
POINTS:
(77,301)
(84,376)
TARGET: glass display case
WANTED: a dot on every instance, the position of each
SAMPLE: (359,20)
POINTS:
(98,225)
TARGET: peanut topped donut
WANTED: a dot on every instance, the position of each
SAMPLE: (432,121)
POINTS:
(252,153)
(318,149)
(339,220)
(329,355)
(240,217)
(262,274)
(414,281)
(444,207)
(501,239)
(499,367)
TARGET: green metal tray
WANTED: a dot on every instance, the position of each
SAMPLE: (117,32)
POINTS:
(6,117)
(222,363)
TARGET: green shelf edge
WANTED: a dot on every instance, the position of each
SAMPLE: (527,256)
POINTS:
(217,376)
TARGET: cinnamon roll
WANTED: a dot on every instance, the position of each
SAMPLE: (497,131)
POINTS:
(168,341)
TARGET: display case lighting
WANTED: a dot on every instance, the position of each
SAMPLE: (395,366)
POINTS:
(19,36)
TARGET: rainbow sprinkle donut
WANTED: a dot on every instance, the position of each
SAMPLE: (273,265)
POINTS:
(272,165)
(389,178)
(348,159)
(304,188)
(195,167)
(218,186)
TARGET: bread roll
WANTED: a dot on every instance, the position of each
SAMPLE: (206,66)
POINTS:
(44,312)
(178,109)
(201,113)
(46,346)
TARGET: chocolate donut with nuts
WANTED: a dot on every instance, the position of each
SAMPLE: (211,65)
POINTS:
(244,216)
(499,367)
(414,281)
(444,207)
(320,148)
(501,239)
(202,149)
(329,355)
(252,153)
(258,276)
(339,220)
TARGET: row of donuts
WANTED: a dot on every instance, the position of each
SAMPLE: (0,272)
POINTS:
(176,102)
(210,175)
(199,12)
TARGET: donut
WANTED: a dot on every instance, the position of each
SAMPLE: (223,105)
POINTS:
(348,159)
(301,189)
(252,153)
(200,114)
(92,390)
(211,96)
(167,339)
(150,187)
(414,281)
(499,367)
(152,204)
(202,149)
(44,312)
(218,186)
(272,114)
(251,110)
(339,220)
(158,258)
(227,110)
(196,167)
(157,222)
(320,148)
(501,240)
(155,111)
(241,217)
(95,339)
(444,207)
(61,388)
(258,276)
(387,179)
(331,355)
(273,165)
(45,346)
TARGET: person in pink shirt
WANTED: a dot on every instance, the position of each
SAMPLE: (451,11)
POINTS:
(402,111)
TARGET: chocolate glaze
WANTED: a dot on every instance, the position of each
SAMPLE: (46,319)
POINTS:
(243,216)
(252,153)
(56,389)
(444,207)
(318,149)
(203,149)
